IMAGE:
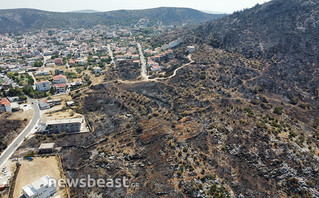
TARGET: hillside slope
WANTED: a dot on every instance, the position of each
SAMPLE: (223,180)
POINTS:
(20,20)
(284,32)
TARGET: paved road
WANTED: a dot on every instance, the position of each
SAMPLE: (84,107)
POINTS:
(17,142)
(111,54)
(143,62)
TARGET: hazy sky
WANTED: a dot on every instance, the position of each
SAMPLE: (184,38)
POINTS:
(224,6)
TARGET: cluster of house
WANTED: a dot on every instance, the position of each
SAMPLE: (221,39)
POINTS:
(126,53)
(153,62)
(20,52)
(58,82)
(23,51)
(161,54)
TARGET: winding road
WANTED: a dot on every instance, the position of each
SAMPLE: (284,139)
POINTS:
(28,129)
(157,79)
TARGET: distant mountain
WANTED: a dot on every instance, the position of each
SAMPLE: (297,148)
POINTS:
(20,20)
(212,12)
(87,11)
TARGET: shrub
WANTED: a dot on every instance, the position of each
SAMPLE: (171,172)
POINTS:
(278,110)
(249,111)
(265,105)
(29,155)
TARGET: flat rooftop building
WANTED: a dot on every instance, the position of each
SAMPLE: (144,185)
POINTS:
(41,188)
(46,148)
(65,125)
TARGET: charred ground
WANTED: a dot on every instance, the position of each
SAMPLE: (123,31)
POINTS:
(209,131)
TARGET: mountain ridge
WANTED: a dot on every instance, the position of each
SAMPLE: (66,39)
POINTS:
(21,20)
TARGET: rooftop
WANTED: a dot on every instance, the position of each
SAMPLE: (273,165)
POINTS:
(60,85)
(29,190)
(5,102)
(42,82)
(44,181)
(47,146)
(32,189)
(65,121)
(59,76)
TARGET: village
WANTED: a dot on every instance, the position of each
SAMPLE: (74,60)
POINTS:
(41,72)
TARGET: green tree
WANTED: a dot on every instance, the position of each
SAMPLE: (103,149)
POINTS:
(278,110)
(52,90)
(10,75)
(38,64)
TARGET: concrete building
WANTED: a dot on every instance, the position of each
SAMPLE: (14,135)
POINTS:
(190,49)
(46,148)
(97,70)
(60,88)
(43,86)
(54,102)
(70,103)
(60,79)
(5,105)
(43,73)
(65,125)
(50,65)
(175,43)
(41,188)
(43,105)
(75,85)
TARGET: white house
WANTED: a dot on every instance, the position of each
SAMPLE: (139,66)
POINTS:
(60,79)
(43,86)
(41,188)
(97,70)
(175,43)
(43,73)
(190,49)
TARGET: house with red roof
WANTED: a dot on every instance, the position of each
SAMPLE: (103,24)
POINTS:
(60,87)
(59,79)
(5,105)
(58,61)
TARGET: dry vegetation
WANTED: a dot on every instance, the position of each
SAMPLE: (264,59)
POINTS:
(210,131)
(10,128)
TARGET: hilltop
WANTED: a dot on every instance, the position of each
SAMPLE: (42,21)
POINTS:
(284,32)
(21,20)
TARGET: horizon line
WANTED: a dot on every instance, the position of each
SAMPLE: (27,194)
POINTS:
(98,11)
